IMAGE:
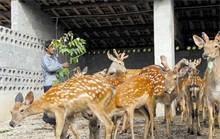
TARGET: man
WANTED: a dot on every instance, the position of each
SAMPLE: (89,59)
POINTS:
(51,67)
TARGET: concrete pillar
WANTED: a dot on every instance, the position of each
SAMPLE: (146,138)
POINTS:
(164,35)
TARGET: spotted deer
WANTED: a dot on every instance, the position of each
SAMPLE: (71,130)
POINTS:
(212,83)
(192,95)
(64,100)
(134,93)
(166,85)
(114,75)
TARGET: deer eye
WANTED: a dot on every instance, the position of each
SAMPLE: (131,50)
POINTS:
(21,111)
(216,46)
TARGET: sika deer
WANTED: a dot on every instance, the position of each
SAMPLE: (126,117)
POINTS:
(212,84)
(62,101)
(117,65)
(163,82)
(193,95)
(166,85)
(134,93)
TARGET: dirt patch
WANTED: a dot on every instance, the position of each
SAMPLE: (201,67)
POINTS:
(33,128)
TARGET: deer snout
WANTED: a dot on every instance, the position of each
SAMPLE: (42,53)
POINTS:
(166,91)
(193,98)
(12,124)
(205,55)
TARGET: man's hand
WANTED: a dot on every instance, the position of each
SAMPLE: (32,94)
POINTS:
(65,65)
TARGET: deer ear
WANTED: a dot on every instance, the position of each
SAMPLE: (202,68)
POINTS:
(183,71)
(85,70)
(217,37)
(205,36)
(29,99)
(78,70)
(198,41)
(19,97)
(111,57)
(198,61)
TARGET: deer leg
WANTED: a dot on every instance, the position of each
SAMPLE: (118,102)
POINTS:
(102,116)
(117,123)
(71,121)
(146,115)
(151,112)
(211,120)
(164,120)
(203,110)
(197,117)
(218,118)
(168,117)
(193,120)
(190,108)
(60,121)
(130,112)
(125,124)
(198,122)
(65,130)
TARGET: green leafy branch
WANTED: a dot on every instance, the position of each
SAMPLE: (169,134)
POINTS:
(70,47)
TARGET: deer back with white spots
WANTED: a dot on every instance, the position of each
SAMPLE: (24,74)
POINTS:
(212,84)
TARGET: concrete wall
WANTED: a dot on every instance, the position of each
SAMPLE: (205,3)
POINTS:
(29,19)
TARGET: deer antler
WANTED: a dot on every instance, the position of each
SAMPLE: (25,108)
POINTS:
(120,56)
(178,65)
(163,59)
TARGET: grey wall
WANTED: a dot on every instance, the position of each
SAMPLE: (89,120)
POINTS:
(97,60)
(29,19)
(20,69)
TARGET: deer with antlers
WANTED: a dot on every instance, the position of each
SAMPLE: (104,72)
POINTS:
(212,83)
(62,101)
(169,84)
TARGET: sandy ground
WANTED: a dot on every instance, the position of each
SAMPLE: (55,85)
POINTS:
(33,128)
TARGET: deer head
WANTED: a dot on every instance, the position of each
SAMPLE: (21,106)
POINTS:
(192,64)
(102,73)
(18,111)
(117,63)
(210,47)
(172,76)
(80,72)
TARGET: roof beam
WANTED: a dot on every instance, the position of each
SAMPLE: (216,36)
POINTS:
(119,38)
(114,28)
(107,15)
(86,5)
